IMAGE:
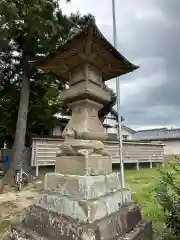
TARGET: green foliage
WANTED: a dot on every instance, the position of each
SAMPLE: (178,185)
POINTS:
(29,31)
(142,185)
(34,29)
(44,103)
(168,195)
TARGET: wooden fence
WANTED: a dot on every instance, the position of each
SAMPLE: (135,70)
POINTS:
(44,152)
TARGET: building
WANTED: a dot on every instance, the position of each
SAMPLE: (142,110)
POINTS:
(111,126)
(169,137)
(127,133)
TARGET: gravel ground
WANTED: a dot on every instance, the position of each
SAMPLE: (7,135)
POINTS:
(12,204)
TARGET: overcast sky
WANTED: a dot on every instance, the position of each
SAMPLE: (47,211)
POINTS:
(148,36)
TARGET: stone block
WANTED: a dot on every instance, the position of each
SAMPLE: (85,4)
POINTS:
(84,210)
(83,187)
(80,165)
(57,227)
(92,90)
(143,231)
(113,181)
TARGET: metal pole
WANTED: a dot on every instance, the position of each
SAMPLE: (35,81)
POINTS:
(118,100)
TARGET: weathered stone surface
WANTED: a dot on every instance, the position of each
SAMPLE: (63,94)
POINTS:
(84,210)
(80,165)
(89,45)
(143,231)
(24,234)
(84,187)
(84,119)
(58,227)
(119,223)
(93,90)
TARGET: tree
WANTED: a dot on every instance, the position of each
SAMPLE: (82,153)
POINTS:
(44,103)
(30,30)
(9,93)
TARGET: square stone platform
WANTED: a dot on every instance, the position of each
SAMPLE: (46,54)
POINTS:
(77,207)
(40,223)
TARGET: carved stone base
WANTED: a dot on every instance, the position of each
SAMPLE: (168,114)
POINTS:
(77,207)
(84,187)
(40,223)
(85,211)
(80,165)
(87,198)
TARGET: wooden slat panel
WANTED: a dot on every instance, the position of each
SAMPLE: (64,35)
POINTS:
(44,152)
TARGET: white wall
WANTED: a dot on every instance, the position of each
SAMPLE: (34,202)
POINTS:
(112,122)
(172,147)
(126,133)
(110,119)
(111,130)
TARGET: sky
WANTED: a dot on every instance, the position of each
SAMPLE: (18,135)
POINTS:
(148,34)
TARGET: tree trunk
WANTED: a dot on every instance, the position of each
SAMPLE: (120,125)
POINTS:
(20,135)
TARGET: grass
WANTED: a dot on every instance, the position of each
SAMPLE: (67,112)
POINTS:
(142,185)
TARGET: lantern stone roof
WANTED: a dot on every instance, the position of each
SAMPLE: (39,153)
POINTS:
(88,45)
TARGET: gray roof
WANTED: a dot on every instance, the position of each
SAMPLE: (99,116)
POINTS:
(157,134)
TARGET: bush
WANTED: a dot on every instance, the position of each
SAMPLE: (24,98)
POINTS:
(168,195)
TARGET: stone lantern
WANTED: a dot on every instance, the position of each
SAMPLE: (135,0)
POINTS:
(83,198)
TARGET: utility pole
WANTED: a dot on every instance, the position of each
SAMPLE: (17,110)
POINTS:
(118,100)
